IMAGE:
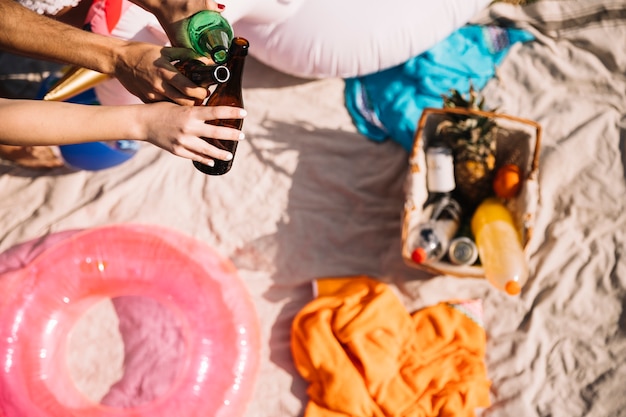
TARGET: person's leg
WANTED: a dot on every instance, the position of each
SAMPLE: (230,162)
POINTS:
(34,157)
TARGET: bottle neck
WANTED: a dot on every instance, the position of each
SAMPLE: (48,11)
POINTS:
(239,48)
(214,43)
(238,54)
(210,34)
(202,74)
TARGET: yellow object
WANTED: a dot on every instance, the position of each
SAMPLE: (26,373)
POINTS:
(365,355)
(499,246)
(75,81)
(507,181)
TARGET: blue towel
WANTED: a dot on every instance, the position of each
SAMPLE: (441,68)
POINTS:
(388,104)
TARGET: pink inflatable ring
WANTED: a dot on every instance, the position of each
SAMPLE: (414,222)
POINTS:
(43,300)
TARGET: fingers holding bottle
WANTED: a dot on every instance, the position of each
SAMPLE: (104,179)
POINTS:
(184,130)
(208,135)
(146,71)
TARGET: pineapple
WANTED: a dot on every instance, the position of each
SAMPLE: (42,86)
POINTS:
(473,142)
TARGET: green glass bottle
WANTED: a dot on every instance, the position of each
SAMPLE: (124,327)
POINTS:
(209,34)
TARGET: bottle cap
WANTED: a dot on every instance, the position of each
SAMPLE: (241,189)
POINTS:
(462,251)
(512,288)
(419,255)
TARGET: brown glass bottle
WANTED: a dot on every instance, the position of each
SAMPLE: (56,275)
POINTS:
(202,74)
(227,94)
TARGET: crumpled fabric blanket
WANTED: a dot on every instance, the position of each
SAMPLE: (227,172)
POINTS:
(388,104)
(365,355)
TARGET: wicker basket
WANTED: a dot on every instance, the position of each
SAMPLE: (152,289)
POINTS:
(518,142)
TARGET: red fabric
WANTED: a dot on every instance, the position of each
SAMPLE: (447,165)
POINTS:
(113,11)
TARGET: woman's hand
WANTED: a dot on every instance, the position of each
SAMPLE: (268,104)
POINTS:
(180,129)
(176,129)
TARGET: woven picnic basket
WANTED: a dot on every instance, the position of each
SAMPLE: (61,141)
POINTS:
(518,142)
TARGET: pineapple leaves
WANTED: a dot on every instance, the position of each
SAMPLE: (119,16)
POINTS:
(472,138)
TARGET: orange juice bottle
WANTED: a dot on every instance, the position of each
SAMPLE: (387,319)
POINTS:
(499,246)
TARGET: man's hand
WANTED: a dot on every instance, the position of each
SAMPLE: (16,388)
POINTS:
(146,71)
(152,77)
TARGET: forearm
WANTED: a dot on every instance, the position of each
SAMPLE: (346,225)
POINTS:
(25,32)
(32,122)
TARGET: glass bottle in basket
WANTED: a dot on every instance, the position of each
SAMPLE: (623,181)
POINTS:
(430,238)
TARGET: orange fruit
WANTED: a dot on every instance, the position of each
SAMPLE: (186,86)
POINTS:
(507,181)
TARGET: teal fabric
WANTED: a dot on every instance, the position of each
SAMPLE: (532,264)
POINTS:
(388,104)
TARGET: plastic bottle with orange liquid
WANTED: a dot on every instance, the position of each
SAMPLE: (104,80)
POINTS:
(499,246)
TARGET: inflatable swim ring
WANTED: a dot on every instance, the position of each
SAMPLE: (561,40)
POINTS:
(309,38)
(350,38)
(44,299)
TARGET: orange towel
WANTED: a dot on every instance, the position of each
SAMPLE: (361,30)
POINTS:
(364,355)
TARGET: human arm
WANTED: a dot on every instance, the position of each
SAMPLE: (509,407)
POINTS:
(144,69)
(177,129)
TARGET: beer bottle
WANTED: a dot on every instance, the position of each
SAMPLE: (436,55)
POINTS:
(227,94)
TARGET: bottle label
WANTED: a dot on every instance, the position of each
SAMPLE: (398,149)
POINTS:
(439,170)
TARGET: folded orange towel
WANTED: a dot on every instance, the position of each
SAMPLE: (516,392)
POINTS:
(364,355)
